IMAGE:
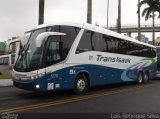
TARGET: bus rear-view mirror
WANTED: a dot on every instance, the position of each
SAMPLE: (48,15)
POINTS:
(43,37)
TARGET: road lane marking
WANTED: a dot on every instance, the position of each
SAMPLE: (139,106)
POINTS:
(75,99)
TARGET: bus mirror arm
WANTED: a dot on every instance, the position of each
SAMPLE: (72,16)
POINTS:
(79,50)
(21,48)
(44,36)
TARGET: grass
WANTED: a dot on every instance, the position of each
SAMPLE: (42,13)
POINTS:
(5,76)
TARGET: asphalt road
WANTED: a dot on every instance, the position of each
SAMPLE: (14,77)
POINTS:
(119,98)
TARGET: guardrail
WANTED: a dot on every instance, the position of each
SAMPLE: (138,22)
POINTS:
(131,26)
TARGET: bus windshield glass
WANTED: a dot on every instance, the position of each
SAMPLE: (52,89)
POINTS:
(25,38)
(30,57)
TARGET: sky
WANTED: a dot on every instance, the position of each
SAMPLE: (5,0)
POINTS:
(18,16)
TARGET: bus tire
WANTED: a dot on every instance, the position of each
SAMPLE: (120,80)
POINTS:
(81,84)
(140,78)
(146,77)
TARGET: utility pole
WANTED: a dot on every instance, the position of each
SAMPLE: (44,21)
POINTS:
(107,13)
(119,16)
(153,35)
(89,12)
(139,21)
(41,12)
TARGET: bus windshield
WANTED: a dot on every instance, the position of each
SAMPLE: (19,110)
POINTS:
(25,38)
(30,56)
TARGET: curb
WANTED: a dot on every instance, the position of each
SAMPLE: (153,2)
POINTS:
(6,82)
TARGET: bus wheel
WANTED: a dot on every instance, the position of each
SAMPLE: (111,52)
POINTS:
(81,84)
(146,77)
(140,78)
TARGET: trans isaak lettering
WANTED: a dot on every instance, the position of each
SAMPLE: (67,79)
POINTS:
(113,59)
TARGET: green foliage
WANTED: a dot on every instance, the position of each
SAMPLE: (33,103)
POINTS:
(152,6)
(2,46)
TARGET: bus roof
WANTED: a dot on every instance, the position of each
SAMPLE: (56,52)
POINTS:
(96,29)
(80,25)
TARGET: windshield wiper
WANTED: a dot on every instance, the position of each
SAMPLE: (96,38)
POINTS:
(21,49)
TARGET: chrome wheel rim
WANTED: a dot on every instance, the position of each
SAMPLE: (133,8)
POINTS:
(140,78)
(145,78)
(81,84)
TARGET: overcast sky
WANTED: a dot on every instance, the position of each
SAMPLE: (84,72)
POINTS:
(17,16)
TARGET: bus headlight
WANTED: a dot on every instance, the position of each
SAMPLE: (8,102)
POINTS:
(37,86)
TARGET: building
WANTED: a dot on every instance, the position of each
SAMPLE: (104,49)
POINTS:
(146,40)
(12,44)
(2,48)
(150,42)
(143,38)
(9,46)
(157,41)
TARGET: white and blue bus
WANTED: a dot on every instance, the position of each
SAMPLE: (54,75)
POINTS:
(78,56)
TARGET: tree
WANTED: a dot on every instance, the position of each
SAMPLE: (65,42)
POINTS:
(41,12)
(119,16)
(107,13)
(89,12)
(152,7)
(139,21)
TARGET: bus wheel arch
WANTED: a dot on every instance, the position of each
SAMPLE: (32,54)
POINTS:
(82,83)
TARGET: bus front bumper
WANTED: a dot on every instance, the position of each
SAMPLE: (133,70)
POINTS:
(32,85)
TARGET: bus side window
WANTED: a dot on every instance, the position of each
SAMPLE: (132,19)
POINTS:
(85,42)
(71,33)
(53,51)
(110,44)
(99,43)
